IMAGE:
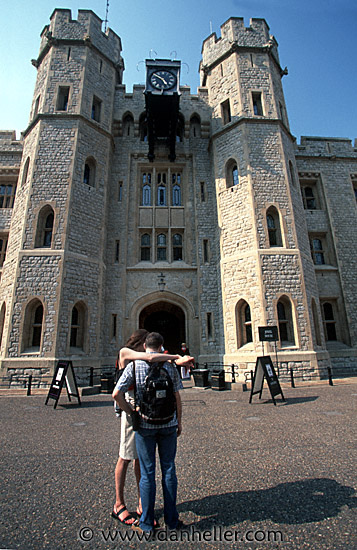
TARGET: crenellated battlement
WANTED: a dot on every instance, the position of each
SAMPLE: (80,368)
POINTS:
(88,28)
(234,33)
(326,147)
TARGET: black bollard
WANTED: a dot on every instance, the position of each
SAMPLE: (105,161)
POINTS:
(329,376)
(91,382)
(233,374)
(29,385)
(292,378)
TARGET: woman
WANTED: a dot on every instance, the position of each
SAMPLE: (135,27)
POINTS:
(133,350)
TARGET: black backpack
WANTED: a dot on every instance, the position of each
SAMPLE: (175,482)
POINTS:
(158,404)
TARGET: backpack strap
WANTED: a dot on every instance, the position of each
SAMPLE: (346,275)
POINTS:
(134,376)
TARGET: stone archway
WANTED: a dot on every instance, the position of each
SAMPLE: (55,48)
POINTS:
(167,319)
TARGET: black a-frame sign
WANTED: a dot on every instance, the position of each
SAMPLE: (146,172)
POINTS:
(64,373)
(264,369)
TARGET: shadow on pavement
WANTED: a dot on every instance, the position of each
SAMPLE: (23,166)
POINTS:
(307,501)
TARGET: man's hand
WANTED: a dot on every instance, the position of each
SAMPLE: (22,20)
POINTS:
(179,429)
(185,361)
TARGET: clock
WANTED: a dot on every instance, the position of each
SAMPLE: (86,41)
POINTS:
(163,79)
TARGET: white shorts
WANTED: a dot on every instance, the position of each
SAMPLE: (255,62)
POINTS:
(127,449)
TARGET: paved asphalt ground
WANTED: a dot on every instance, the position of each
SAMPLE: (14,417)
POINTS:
(255,476)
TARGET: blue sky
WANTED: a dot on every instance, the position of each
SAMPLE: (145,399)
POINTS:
(316,42)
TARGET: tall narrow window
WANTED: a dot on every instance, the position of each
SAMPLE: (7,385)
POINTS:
(195,126)
(120,191)
(44,232)
(32,328)
(285,322)
(3,247)
(128,125)
(25,171)
(329,321)
(203,191)
(257,103)
(2,321)
(209,324)
(176,189)
(78,325)
(161,189)
(226,112)
(177,247)
(96,109)
(145,249)
(243,324)
(235,176)
(37,105)
(232,173)
(48,230)
(89,172)
(146,189)
(114,325)
(161,248)
(317,251)
(205,251)
(37,326)
(62,98)
(273,223)
(143,127)
(117,252)
(74,327)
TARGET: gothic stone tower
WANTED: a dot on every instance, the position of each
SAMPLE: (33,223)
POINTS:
(52,281)
(267,274)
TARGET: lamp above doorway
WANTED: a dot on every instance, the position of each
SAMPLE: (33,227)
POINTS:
(161,282)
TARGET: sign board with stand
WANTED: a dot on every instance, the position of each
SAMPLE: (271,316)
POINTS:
(64,374)
(264,369)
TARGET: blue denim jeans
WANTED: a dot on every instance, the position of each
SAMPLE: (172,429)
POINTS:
(166,441)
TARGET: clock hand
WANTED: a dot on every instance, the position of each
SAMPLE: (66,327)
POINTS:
(158,76)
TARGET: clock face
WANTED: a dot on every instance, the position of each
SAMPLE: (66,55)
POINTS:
(162,80)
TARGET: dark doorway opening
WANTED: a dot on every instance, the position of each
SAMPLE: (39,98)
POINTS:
(167,319)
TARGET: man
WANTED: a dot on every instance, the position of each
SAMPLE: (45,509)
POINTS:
(150,436)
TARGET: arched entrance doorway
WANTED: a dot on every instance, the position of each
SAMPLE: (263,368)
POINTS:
(167,319)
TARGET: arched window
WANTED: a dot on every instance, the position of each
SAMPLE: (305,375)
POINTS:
(329,320)
(232,173)
(285,322)
(161,189)
(143,127)
(161,248)
(177,247)
(78,326)
(128,125)
(145,249)
(273,224)
(195,126)
(176,189)
(32,330)
(243,324)
(89,172)
(146,189)
(44,230)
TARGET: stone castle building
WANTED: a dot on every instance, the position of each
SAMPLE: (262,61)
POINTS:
(197,215)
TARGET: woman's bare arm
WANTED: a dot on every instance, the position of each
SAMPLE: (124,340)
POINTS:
(127,354)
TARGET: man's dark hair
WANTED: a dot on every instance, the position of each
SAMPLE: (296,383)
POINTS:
(154,341)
